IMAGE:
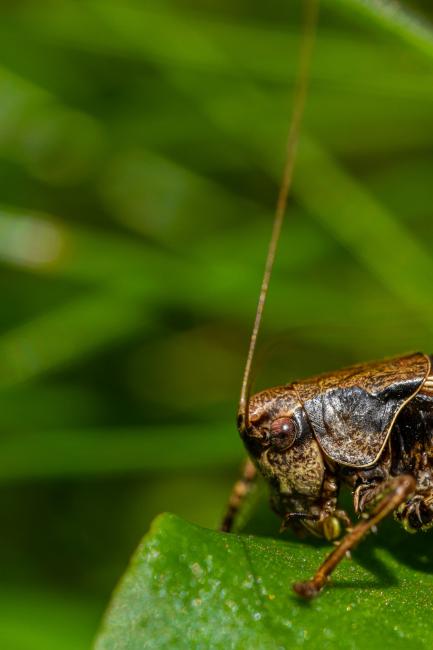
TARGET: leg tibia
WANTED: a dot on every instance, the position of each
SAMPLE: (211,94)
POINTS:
(394,492)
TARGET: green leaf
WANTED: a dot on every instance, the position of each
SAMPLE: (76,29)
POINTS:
(376,233)
(188,587)
(391,16)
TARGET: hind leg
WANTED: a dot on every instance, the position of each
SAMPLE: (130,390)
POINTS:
(394,492)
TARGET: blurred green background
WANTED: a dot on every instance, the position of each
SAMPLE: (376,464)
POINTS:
(141,146)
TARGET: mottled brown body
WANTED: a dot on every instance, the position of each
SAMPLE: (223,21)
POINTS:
(369,427)
(359,426)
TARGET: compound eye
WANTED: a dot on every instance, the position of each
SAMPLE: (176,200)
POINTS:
(283,433)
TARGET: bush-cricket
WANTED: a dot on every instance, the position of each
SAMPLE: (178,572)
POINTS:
(369,427)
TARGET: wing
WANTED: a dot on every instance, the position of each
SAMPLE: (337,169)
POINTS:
(352,411)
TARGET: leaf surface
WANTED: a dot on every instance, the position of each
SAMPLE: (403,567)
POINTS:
(188,587)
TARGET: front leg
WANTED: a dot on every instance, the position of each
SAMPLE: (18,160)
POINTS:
(240,491)
(394,492)
(321,517)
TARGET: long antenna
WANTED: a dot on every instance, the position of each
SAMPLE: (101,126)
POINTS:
(311,11)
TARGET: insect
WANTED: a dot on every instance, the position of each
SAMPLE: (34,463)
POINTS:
(369,427)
